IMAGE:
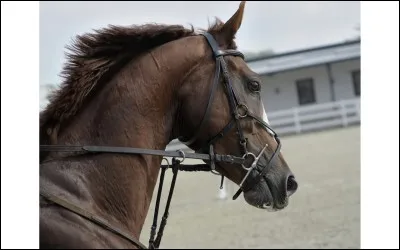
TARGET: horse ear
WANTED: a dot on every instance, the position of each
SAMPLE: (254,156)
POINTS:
(228,31)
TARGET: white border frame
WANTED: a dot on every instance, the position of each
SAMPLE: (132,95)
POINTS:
(19,125)
(379,125)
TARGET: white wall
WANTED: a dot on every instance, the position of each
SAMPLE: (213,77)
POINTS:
(343,80)
(286,83)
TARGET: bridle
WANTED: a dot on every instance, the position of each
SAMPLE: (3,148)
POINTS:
(239,111)
(206,153)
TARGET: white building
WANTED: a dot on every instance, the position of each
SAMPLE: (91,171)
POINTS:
(310,76)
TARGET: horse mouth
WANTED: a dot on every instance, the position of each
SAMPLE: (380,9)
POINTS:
(265,196)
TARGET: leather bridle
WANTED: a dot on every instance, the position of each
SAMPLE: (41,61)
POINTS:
(206,153)
(239,111)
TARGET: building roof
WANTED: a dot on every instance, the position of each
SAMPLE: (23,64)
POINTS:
(306,57)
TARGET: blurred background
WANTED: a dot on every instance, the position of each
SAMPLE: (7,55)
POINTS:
(308,54)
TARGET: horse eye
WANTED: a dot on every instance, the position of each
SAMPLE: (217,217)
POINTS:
(254,86)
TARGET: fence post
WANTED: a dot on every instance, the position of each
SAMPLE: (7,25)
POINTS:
(344,113)
(297,124)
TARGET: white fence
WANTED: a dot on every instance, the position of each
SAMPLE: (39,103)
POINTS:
(307,118)
(316,117)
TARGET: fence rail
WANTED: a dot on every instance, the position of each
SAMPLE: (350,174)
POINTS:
(308,118)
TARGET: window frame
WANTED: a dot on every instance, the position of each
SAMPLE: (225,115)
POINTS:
(311,87)
(356,85)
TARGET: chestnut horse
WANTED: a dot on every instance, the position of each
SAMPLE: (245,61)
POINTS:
(130,91)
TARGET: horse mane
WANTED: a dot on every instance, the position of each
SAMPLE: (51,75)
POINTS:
(94,58)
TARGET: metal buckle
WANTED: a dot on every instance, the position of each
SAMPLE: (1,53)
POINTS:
(245,109)
(182,154)
(253,165)
(244,158)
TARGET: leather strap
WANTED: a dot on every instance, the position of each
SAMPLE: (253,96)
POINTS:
(127,150)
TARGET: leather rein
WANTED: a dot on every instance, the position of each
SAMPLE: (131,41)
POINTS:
(205,153)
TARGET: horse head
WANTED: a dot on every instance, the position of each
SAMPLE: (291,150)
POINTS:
(221,106)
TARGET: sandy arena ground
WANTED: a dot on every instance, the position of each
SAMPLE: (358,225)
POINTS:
(324,213)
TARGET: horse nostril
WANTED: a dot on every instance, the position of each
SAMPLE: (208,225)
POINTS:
(291,185)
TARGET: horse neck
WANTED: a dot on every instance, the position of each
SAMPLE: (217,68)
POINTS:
(129,112)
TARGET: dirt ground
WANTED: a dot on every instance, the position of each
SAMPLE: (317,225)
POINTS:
(324,213)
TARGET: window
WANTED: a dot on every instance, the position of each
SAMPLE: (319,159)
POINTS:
(305,91)
(356,81)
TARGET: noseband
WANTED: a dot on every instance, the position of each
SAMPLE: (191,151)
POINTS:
(238,111)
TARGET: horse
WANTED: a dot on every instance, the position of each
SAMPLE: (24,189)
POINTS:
(127,92)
